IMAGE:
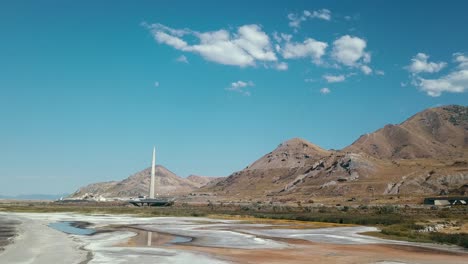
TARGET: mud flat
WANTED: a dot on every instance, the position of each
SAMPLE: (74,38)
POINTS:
(8,230)
(130,239)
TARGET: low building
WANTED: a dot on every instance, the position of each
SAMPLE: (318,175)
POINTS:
(446,201)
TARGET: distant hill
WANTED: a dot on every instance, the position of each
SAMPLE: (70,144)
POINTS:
(42,197)
(424,155)
(166,184)
(203,180)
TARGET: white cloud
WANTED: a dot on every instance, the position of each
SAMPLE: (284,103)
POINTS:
(334,78)
(349,50)
(309,48)
(250,46)
(309,80)
(167,39)
(420,64)
(243,48)
(217,47)
(282,66)
(366,69)
(325,90)
(456,81)
(182,59)
(241,87)
(255,42)
(156,84)
(295,20)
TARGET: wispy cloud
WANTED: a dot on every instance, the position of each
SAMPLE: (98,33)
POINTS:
(334,78)
(380,72)
(282,66)
(182,59)
(325,90)
(156,84)
(241,87)
(295,20)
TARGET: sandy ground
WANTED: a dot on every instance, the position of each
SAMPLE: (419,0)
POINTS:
(129,239)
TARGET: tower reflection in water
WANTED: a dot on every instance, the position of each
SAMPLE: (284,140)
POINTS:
(150,238)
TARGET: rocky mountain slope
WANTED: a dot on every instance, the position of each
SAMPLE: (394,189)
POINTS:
(166,184)
(434,133)
(272,171)
(425,155)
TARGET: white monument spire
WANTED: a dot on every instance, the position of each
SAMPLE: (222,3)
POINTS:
(153,170)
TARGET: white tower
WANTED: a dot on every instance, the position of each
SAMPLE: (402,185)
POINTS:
(153,171)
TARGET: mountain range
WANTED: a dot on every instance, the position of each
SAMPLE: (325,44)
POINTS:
(166,184)
(425,155)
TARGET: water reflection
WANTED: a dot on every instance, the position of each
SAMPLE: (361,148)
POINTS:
(154,239)
(150,237)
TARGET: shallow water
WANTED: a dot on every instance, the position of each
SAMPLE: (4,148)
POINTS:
(67,227)
(180,239)
(145,238)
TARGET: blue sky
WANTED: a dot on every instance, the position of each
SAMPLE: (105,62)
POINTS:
(88,87)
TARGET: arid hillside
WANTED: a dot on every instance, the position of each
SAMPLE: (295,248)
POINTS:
(440,132)
(425,155)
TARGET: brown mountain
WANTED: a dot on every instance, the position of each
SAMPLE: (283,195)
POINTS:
(440,132)
(272,171)
(425,155)
(167,184)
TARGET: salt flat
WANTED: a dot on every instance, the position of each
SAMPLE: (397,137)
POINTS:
(212,241)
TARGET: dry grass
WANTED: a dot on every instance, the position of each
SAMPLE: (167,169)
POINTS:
(278,223)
